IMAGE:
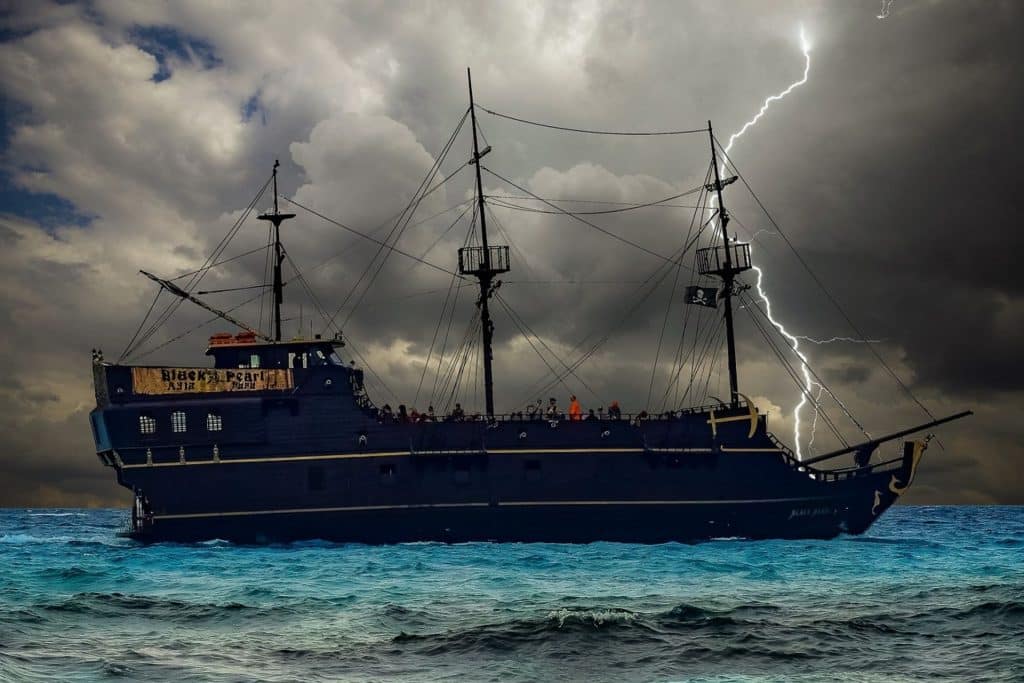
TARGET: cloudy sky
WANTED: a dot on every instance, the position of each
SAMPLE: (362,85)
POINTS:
(135,134)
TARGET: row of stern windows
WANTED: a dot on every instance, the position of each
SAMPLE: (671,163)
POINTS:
(179,422)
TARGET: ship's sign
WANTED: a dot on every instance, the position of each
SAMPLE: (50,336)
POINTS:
(154,381)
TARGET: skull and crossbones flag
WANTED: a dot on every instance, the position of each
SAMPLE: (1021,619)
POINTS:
(702,296)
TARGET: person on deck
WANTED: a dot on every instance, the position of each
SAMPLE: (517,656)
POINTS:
(430,414)
(590,415)
(402,415)
(552,411)
(575,411)
(614,411)
(458,415)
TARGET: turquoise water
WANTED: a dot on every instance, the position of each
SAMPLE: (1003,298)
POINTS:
(929,593)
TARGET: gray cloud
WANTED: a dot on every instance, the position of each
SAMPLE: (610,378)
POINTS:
(890,170)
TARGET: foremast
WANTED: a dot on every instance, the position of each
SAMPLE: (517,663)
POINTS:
(726,262)
(277,218)
(483,262)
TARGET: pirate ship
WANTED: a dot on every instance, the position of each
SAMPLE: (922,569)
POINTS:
(280,439)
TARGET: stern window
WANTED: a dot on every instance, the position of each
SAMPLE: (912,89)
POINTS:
(214,422)
(147,424)
(178,421)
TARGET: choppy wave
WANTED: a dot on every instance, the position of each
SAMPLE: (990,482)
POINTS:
(931,593)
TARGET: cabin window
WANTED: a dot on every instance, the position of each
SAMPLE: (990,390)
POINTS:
(147,424)
(254,360)
(296,360)
(178,421)
(315,479)
(214,422)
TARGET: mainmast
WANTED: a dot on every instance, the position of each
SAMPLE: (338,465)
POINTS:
(726,262)
(483,262)
(277,218)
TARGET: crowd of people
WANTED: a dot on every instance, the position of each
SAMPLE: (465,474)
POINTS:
(532,412)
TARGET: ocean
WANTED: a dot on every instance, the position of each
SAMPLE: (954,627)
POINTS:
(930,593)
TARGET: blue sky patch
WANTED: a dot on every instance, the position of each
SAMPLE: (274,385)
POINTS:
(252,107)
(166,43)
(48,210)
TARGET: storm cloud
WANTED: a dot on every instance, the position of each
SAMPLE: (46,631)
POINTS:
(135,135)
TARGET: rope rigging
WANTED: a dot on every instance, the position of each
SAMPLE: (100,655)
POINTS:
(398,229)
(588,131)
(437,381)
(368,237)
(195,278)
(669,263)
(583,201)
(824,289)
(638,297)
(527,331)
(781,355)
(631,207)
(584,220)
(680,355)
(672,293)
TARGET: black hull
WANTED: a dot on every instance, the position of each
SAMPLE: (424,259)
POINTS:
(554,523)
(560,497)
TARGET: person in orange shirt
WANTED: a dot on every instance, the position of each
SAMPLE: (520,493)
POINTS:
(575,412)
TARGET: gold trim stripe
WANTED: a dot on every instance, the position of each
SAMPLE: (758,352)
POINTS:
(510,503)
(282,458)
(750,450)
(392,454)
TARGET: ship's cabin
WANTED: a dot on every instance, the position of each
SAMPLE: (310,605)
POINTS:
(244,350)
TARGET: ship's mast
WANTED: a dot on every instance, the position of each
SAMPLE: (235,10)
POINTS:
(277,218)
(725,262)
(483,262)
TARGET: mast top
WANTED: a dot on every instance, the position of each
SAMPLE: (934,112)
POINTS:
(276,217)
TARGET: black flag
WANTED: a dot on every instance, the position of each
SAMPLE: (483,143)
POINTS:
(702,296)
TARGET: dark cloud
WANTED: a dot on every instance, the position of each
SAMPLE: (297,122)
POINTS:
(891,170)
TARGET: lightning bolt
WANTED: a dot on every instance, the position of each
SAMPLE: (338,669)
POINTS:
(832,340)
(806,47)
(794,341)
(814,422)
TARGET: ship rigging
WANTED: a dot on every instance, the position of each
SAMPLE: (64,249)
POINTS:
(285,392)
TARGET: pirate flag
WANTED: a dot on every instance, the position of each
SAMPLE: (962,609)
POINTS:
(702,296)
